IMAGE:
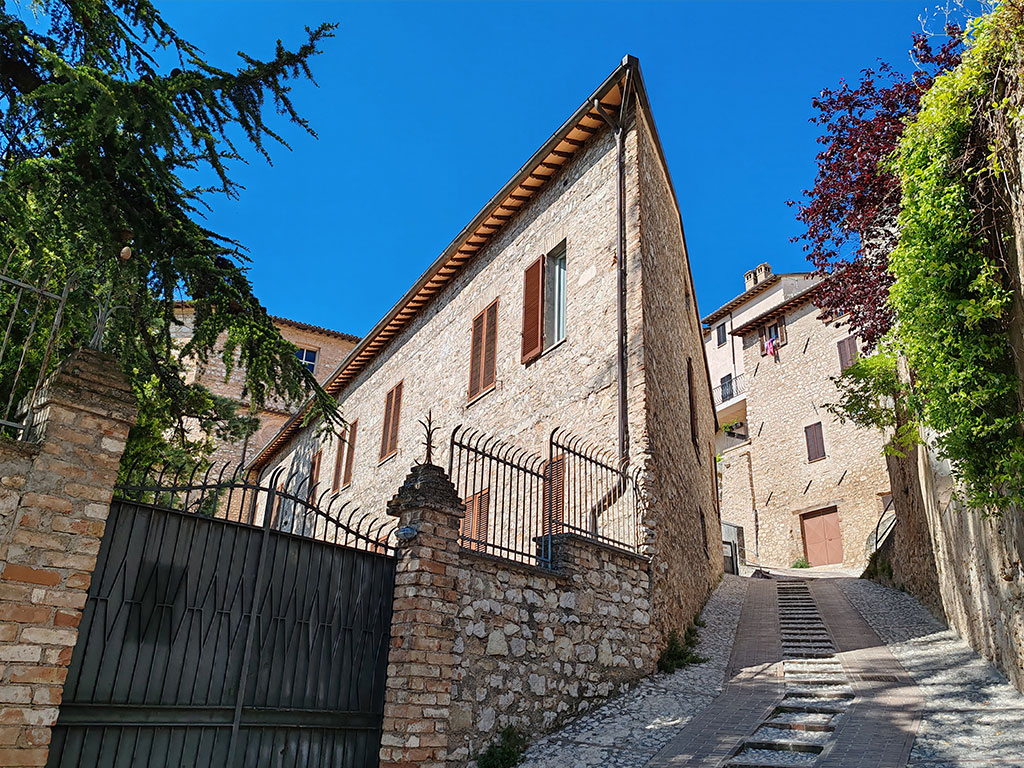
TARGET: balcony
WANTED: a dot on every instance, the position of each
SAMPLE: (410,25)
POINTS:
(730,390)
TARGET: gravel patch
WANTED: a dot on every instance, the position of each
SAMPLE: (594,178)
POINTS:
(629,730)
(972,716)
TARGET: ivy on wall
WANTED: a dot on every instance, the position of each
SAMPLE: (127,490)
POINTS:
(952,290)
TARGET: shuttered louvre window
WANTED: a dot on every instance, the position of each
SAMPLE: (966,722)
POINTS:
(533,311)
(783,337)
(339,460)
(815,442)
(483,351)
(848,352)
(553,496)
(314,476)
(392,416)
(693,404)
(474,523)
(350,454)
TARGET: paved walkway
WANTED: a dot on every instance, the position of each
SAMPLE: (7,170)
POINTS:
(829,673)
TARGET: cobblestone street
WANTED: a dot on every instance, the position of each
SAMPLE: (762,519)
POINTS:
(836,672)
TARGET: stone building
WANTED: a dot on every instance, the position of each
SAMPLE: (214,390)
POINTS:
(530,320)
(319,348)
(801,484)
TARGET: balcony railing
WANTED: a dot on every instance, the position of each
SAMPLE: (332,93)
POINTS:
(730,390)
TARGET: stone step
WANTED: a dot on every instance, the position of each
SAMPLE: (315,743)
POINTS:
(771,758)
(802,721)
(825,692)
(814,704)
(802,654)
(797,740)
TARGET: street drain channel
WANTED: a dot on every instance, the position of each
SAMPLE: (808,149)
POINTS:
(817,690)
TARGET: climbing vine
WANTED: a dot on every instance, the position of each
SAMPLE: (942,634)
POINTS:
(952,290)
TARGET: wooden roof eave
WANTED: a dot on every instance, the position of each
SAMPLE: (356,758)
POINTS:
(344,374)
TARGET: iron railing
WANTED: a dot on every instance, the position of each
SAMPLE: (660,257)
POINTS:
(601,494)
(31,312)
(282,501)
(503,488)
(516,501)
(730,389)
(882,531)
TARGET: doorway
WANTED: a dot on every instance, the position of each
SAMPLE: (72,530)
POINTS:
(823,542)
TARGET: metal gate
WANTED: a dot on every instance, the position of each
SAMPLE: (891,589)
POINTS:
(231,624)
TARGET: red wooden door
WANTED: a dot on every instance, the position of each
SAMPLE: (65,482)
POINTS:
(823,542)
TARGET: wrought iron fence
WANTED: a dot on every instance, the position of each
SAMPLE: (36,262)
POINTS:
(601,497)
(503,488)
(282,501)
(517,501)
(31,312)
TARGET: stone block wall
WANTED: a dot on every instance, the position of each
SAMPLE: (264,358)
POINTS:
(480,643)
(534,647)
(55,495)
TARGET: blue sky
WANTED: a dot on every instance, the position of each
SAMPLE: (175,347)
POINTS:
(338,228)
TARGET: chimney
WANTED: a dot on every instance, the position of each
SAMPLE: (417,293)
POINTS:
(759,274)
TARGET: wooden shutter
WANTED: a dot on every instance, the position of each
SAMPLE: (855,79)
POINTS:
(693,404)
(339,460)
(847,352)
(762,336)
(314,475)
(396,414)
(783,337)
(553,496)
(476,354)
(350,454)
(533,311)
(385,434)
(815,442)
(490,361)
(474,524)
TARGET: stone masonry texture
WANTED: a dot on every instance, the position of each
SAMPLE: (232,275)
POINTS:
(573,384)
(771,473)
(54,499)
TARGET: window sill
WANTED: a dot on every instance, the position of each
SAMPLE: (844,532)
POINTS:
(815,461)
(480,395)
(386,459)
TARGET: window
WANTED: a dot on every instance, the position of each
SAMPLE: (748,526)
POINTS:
(727,390)
(392,415)
(544,304)
(848,352)
(343,459)
(721,335)
(815,442)
(693,405)
(474,523)
(554,297)
(482,354)
(308,358)
(775,333)
(314,476)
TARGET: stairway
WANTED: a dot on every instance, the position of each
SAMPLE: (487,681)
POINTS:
(817,690)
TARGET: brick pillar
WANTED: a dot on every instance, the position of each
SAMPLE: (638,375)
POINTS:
(57,505)
(421,662)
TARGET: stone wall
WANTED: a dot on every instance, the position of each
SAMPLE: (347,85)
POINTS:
(535,647)
(785,394)
(480,643)
(54,499)
(676,442)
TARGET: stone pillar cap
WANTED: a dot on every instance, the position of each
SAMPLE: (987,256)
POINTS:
(426,486)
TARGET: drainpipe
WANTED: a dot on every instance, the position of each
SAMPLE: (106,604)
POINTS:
(618,126)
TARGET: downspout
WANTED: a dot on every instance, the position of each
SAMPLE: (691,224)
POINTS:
(618,125)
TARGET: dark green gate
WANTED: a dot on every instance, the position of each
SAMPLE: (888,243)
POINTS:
(231,624)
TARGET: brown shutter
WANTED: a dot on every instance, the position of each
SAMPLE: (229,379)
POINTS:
(346,479)
(847,352)
(314,475)
(483,503)
(385,435)
(474,524)
(693,405)
(396,413)
(553,496)
(490,361)
(815,442)
(761,333)
(533,311)
(476,353)
(783,338)
(339,460)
